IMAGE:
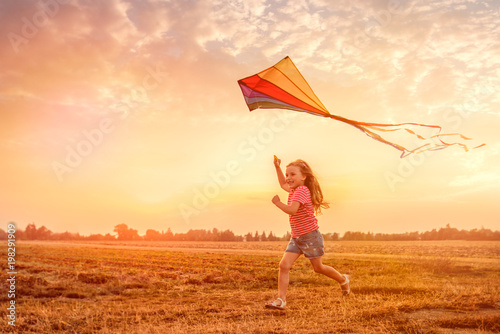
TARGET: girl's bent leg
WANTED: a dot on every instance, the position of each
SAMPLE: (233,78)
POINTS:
(284,277)
(319,267)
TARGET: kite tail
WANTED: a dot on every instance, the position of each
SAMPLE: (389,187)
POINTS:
(428,143)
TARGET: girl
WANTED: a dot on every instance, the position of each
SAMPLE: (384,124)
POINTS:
(304,200)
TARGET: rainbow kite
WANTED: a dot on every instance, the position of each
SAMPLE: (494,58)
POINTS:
(282,86)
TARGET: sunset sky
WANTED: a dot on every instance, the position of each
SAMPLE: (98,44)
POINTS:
(129,112)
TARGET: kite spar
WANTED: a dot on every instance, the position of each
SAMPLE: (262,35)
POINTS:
(282,86)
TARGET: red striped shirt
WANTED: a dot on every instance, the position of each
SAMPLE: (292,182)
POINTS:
(303,221)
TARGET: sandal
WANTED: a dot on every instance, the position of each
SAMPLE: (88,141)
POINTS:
(347,281)
(277,304)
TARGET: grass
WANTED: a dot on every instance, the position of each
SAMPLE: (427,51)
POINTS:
(398,287)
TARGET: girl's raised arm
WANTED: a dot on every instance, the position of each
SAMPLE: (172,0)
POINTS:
(281,176)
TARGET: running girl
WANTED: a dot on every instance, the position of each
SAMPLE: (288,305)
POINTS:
(305,199)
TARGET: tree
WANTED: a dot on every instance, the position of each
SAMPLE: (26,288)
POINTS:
(271,237)
(331,236)
(30,232)
(95,237)
(63,236)
(121,230)
(227,235)
(109,237)
(168,235)
(43,233)
(215,234)
(152,235)
(125,233)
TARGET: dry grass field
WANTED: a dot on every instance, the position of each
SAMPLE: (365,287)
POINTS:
(203,287)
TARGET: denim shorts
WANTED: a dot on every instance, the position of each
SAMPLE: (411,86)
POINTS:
(310,244)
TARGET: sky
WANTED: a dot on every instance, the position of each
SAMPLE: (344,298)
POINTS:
(128,112)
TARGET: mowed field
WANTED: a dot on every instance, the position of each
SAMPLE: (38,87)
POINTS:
(203,287)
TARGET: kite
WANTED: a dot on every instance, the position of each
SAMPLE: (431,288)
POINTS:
(282,86)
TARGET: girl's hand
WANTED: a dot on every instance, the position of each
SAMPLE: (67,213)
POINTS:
(277,162)
(276,199)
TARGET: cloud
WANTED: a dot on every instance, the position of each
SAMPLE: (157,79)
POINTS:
(68,57)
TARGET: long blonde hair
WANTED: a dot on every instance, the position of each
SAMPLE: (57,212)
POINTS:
(312,183)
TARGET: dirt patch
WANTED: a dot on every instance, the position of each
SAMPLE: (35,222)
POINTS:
(431,314)
(450,321)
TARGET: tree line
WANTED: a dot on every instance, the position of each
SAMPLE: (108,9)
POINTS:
(444,233)
(123,233)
